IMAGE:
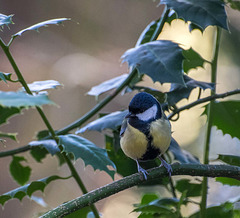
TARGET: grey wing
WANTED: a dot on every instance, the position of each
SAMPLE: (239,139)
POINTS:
(123,127)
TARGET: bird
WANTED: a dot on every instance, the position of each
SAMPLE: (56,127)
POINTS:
(145,132)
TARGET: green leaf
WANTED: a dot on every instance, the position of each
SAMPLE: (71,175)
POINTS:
(178,92)
(88,152)
(7,112)
(110,121)
(161,60)
(148,32)
(28,189)
(42,134)
(5,76)
(147,198)
(5,20)
(228,181)
(192,60)
(21,99)
(12,136)
(39,153)
(234,4)
(193,189)
(226,117)
(201,13)
(39,86)
(181,155)
(222,211)
(164,206)
(42,24)
(20,173)
(107,85)
(230,159)
(49,144)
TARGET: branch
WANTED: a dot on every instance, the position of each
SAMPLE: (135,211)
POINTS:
(203,100)
(135,179)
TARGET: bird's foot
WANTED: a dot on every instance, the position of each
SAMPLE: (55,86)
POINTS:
(142,171)
(166,165)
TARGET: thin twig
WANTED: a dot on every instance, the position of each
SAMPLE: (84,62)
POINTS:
(203,100)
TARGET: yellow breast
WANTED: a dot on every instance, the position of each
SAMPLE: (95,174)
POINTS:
(133,143)
(161,134)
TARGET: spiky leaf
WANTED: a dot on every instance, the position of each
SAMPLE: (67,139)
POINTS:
(5,20)
(21,99)
(49,144)
(202,13)
(42,24)
(161,60)
(193,189)
(228,181)
(28,189)
(7,112)
(110,121)
(12,136)
(107,85)
(179,92)
(5,76)
(230,159)
(20,173)
(226,117)
(39,86)
(180,154)
(192,60)
(88,152)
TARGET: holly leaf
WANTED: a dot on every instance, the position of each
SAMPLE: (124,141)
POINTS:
(222,211)
(39,86)
(201,13)
(20,173)
(21,99)
(42,24)
(226,117)
(230,159)
(192,60)
(107,85)
(228,181)
(110,121)
(49,144)
(160,207)
(161,60)
(88,152)
(5,76)
(148,32)
(192,189)
(39,153)
(7,112)
(28,189)
(182,155)
(178,92)
(12,136)
(5,20)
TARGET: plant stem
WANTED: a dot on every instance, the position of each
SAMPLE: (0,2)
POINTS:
(135,179)
(203,100)
(203,204)
(47,123)
(15,151)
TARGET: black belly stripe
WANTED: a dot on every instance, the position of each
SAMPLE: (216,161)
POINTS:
(151,152)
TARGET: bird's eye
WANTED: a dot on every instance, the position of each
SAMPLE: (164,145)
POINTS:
(141,111)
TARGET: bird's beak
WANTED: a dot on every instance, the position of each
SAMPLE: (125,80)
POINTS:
(130,115)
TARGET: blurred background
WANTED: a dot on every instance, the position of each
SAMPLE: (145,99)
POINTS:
(85,52)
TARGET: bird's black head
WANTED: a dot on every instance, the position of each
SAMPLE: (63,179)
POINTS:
(145,107)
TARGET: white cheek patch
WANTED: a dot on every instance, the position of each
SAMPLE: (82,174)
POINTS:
(150,113)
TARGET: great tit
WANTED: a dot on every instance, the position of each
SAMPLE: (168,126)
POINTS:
(146,131)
